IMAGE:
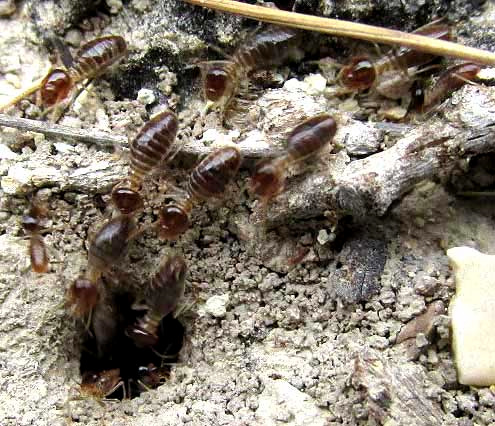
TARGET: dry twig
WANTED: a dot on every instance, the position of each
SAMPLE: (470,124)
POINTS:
(350,29)
(367,187)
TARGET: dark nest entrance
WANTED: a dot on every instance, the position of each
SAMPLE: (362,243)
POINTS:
(116,367)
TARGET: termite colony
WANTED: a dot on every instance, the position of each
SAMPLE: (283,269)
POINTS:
(128,346)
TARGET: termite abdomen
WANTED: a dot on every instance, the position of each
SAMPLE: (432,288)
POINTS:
(38,254)
(110,243)
(310,136)
(127,200)
(97,55)
(450,80)
(211,176)
(152,145)
(55,87)
(166,289)
(268,48)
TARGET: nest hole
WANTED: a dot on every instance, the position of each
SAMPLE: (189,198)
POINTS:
(139,369)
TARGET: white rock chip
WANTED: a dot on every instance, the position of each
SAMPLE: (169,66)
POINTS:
(316,84)
(146,96)
(473,316)
(217,305)
(280,402)
(6,153)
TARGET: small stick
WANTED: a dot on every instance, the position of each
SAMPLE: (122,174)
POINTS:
(350,29)
(109,140)
(22,94)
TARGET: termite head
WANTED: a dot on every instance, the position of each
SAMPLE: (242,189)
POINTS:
(127,200)
(359,74)
(267,180)
(30,223)
(219,80)
(82,296)
(55,87)
(173,222)
(100,384)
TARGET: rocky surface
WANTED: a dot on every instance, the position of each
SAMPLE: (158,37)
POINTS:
(297,324)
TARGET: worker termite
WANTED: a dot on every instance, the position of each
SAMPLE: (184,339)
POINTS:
(101,384)
(452,79)
(152,145)
(82,296)
(165,291)
(269,48)
(32,224)
(106,249)
(207,180)
(304,141)
(92,60)
(150,376)
(390,74)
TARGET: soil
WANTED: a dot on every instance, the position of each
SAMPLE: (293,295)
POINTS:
(295,324)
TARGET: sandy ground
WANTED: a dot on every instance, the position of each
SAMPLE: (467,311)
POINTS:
(292,325)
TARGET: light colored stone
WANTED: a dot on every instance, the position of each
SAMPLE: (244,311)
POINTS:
(217,305)
(293,406)
(316,84)
(473,316)
(146,96)
(6,153)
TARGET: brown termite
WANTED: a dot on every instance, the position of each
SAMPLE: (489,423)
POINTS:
(152,145)
(82,296)
(266,49)
(92,60)
(391,70)
(165,291)
(207,180)
(101,384)
(452,79)
(305,140)
(106,249)
(32,224)
(150,376)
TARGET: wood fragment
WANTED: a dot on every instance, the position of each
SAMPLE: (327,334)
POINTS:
(350,29)
(367,187)
(108,140)
(395,391)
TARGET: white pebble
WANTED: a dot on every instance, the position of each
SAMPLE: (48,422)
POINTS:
(146,96)
(217,305)
(473,315)
(6,153)
(316,84)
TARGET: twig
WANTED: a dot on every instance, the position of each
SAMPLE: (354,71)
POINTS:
(368,187)
(105,139)
(350,29)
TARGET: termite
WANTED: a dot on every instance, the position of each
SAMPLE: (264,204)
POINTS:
(152,145)
(101,384)
(269,48)
(92,60)
(452,79)
(305,140)
(389,74)
(32,224)
(106,249)
(165,291)
(207,180)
